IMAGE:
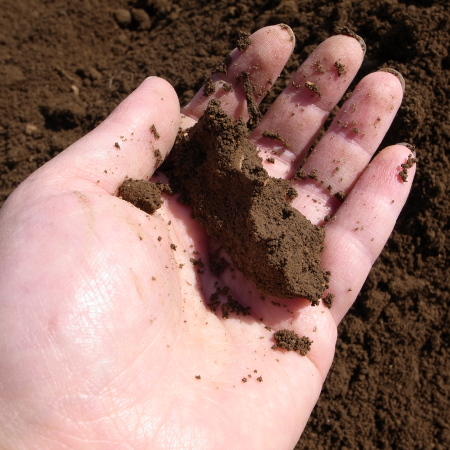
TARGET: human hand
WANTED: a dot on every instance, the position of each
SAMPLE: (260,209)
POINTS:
(107,339)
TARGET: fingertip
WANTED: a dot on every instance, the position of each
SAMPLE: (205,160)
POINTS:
(403,157)
(290,32)
(411,147)
(154,92)
(282,32)
(348,32)
(272,47)
(347,48)
(397,74)
(162,86)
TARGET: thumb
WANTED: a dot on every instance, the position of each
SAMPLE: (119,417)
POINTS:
(132,142)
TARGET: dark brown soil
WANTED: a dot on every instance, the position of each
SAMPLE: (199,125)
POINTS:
(268,240)
(142,194)
(65,65)
(291,341)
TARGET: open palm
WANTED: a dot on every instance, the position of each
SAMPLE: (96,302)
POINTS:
(107,338)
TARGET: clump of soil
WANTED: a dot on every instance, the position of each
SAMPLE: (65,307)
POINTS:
(231,305)
(144,195)
(244,41)
(219,173)
(209,87)
(252,105)
(291,341)
(217,264)
(328,300)
(405,166)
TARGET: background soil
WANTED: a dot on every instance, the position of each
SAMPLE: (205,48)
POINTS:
(65,65)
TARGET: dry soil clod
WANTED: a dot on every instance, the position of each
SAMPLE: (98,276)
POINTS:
(291,341)
(313,87)
(219,173)
(244,41)
(252,105)
(340,68)
(405,166)
(222,67)
(209,87)
(144,195)
(155,132)
(276,136)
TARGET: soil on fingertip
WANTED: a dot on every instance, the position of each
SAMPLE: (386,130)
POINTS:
(244,41)
(219,173)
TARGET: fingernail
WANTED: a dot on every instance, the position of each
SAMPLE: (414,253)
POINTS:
(397,74)
(288,29)
(411,147)
(347,32)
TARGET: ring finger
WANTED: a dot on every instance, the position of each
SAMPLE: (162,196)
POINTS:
(340,157)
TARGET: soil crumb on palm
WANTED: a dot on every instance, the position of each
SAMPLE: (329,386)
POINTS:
(144,195)
(291,341)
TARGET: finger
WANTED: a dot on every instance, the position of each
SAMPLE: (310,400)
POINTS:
(302,108)
(363,224)
(347,147)
(131,142)
(256,67)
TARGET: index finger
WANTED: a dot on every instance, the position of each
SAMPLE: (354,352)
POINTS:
(250,70)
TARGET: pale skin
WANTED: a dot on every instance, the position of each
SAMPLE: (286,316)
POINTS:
(106,337)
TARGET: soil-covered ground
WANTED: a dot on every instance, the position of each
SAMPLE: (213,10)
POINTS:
(65,65)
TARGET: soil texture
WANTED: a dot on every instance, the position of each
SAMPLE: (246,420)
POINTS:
(291,341)
(144,195)
(66,65)
(272,243)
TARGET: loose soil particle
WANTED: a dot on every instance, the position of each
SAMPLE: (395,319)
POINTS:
(158,156)
(218,172)
(340,68)
(244,41)
(209,88)
(328,300)
(252,105)
(405,166)
(301,175)
(217,264)
(233,306)
(273,135)
(155,132)
(313,87)
(222,67)
(227,87)
(340,196)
